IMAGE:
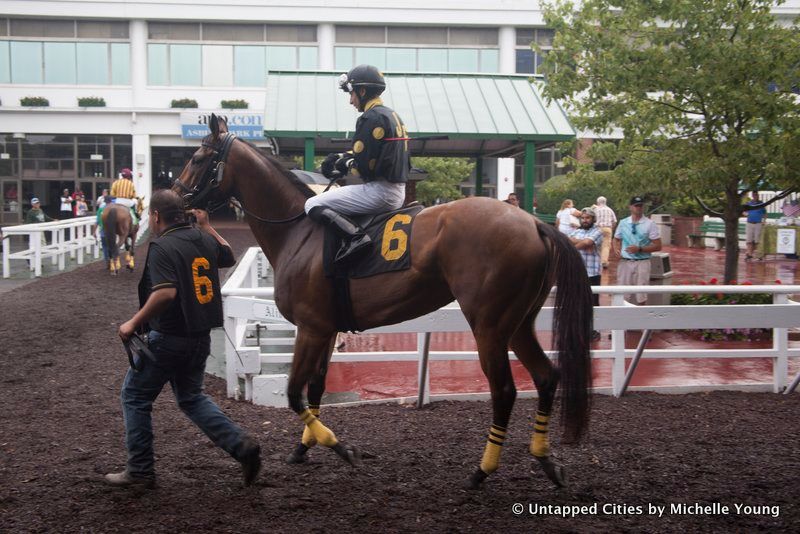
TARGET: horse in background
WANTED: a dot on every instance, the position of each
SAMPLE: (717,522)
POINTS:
(118,228)
(496,260)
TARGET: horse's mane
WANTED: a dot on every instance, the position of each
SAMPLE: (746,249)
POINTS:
(302,187)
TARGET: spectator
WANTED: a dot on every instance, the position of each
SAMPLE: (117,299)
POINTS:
(66,205)
(636,238)
(101,200)
(81,209)
(755,221)
(35,214)
(512,199)
(567,217)
(606,219)
(588,239)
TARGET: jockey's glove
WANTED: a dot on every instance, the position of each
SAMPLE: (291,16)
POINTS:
(329,164)
(344,163)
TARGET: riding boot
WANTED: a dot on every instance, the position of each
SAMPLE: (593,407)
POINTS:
(356,240)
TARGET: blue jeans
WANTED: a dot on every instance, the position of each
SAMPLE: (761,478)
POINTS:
(181,362)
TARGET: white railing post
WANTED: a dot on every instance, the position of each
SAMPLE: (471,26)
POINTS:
(780,342)
(231,378)
(37,252)
(618,349)
(6,252)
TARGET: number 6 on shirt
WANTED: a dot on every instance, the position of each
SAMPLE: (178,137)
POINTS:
(202,282)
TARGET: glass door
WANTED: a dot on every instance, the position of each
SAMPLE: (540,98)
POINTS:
(11,209)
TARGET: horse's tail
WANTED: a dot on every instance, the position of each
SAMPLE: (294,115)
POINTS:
(572,329)
(110,229)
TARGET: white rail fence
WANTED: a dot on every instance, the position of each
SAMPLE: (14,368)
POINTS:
(72,237)
(250,310)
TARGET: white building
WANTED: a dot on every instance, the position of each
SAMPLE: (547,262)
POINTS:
(140,56)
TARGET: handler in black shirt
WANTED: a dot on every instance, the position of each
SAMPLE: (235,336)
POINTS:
(180,301)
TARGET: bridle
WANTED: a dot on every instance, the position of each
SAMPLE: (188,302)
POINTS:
(211,180)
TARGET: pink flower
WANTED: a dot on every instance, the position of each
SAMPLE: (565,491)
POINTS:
(777,281)
(747,283)
(713,281)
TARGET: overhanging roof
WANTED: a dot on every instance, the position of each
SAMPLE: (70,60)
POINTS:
(477,112)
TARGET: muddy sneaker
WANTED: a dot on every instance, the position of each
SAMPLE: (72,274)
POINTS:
(250,458)
(126,480)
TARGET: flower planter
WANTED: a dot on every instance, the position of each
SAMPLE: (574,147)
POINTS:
(682,226)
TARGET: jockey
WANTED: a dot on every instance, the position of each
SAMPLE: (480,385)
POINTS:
(125,192)
(379,156)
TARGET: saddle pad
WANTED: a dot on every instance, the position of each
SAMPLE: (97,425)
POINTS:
(389,251)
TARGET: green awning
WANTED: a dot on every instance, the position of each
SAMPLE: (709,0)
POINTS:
(485,107)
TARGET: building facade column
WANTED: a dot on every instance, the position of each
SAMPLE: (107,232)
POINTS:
(529,176)
(138,36)
(326,39)
(507,41)
(142,174)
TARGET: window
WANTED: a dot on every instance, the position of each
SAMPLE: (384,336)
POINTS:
(371,56)
(5,64)
(59,63)
(307,57)
(281,57)
(120,64)
(217,65)
(92,63)
(184,64)
(233,32)
(26,62)
(291,34)
(42,28)
(432,59)
(528,60)
(401,59)
(360,34)
(249,66)
(102,29)
(412,35)
(180,31)
(157,64)
(462,60)
(3,27)
(473,36)
(343,58)
(490,60)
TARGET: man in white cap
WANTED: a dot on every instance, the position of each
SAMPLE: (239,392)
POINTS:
(35,214)
(636,238)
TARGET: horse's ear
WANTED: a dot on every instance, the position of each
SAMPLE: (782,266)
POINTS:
(213,125)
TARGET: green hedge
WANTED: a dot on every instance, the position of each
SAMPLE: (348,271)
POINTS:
(91,102)
(184,103)
(34,101)
(234,104)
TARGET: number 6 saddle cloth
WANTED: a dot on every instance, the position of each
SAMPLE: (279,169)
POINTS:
(390,249)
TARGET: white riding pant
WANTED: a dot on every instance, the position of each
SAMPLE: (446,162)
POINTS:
(130,202)
(361,199)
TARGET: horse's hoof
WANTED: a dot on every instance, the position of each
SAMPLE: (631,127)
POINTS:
(555,472)
(348,453)
(130,269)
(475,481)
(298,456)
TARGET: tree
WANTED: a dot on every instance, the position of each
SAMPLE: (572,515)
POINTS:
(702,90)
(444,178)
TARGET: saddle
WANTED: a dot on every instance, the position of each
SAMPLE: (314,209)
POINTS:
(389,251)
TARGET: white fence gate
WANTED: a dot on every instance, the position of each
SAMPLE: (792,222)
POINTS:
(250,308)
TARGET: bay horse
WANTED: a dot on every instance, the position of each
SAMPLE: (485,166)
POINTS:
(118,225)
(496,260)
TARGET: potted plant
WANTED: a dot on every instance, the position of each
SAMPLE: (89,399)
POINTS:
(34,101)
(234,104)
(184,103)
(91,102)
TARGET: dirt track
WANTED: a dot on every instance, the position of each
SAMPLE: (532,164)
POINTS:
(61,367)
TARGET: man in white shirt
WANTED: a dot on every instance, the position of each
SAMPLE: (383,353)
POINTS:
(636,238)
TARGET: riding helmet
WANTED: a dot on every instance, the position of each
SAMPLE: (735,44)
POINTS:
(363,76)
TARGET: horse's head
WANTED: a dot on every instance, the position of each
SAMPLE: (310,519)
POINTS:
(201,182)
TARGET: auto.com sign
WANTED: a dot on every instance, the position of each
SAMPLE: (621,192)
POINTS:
(245,125)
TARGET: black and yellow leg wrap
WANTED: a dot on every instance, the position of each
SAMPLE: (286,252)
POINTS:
(494,446)
(322,434)
(308,438)
(540,444)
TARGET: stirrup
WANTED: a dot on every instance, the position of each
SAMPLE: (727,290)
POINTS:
(352,248)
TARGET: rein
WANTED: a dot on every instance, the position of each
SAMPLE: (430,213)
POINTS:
(213,178)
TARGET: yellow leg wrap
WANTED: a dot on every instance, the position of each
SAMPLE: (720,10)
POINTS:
(540,444)
(321,433)
(130,261)
(494,446)
(308,438)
